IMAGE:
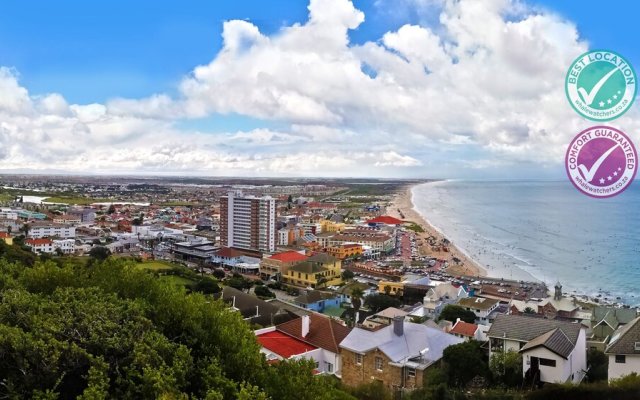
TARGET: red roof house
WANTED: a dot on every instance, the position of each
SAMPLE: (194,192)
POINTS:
(384,220)
(288,256)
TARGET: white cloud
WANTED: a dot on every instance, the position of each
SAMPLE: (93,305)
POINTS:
(375,108)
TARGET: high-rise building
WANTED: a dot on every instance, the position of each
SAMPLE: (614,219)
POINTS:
(248,222)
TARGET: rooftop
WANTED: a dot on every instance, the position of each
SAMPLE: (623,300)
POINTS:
(288,256)
(283,345)
(324,332)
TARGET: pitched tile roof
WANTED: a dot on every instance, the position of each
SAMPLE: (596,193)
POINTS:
(464,329)
(524,328)
(283,345)
(289,256)
(554,340)
(323,258)
(324,332)
(38,242)
(624,339)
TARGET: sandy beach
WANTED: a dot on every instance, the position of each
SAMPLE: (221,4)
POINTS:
(402,207)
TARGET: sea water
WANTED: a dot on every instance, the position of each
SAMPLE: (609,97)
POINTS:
(546,231)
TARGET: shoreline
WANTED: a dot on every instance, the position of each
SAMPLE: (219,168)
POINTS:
(470,267)
(402,207)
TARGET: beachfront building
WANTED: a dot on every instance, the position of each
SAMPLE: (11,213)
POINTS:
(396,355)
(624,350)
(552,351)
(248,222)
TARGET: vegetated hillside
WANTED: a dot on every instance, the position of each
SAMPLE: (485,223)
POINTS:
(109,330)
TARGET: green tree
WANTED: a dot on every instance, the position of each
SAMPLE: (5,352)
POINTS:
(206,286)
(99,253)
(451,312)
(598,363)
(347,275)
(378,302)
(464,362)
(263,291)
(506,368)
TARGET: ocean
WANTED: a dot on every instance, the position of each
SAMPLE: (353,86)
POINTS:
(546,231)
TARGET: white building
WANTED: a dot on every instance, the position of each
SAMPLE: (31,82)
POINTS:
(441,295)
(40,245)
(8,213)
(552,351)
(248,222)
(38,231)
(624,350)
(67,246)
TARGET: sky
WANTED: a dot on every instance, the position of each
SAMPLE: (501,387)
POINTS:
(378,88)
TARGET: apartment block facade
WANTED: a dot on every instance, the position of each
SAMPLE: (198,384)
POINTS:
(248,222)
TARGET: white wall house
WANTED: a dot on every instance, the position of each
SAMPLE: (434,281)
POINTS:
(552,351)
(624,350)
(67,246)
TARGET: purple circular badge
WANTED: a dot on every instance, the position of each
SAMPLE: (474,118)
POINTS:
(601,161)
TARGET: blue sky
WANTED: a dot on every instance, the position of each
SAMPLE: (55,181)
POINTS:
(95,52)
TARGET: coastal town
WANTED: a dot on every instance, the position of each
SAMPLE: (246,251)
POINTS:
(345,274)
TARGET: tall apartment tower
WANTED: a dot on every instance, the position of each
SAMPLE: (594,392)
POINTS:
(248,222)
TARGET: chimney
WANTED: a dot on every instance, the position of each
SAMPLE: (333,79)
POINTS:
(398,325)
(305,325)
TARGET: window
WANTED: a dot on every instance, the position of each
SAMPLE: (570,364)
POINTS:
(411,372)
(328,366)
(379,363)
(358,359)
(621,359)
(547,363)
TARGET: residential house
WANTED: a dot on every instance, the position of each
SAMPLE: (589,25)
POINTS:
(396,355)
(440,296)
(317,271)
(40,245)
(68,219)
(605,320)
(6,237)
(553,351)
(384,220)
(467,331)
(254,310)
(316,300)
(481,307)
(315,337)
(274,266)
(624,350)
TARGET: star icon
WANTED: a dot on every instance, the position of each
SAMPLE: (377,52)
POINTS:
(615,173)
(615,96)
(602,104)
(619,169)
(608,101)
(619,92)
(609,178)
(601,180)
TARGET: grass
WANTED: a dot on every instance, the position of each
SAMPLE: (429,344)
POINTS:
(176,280)
(414,227)
(75,200)
(154,265)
